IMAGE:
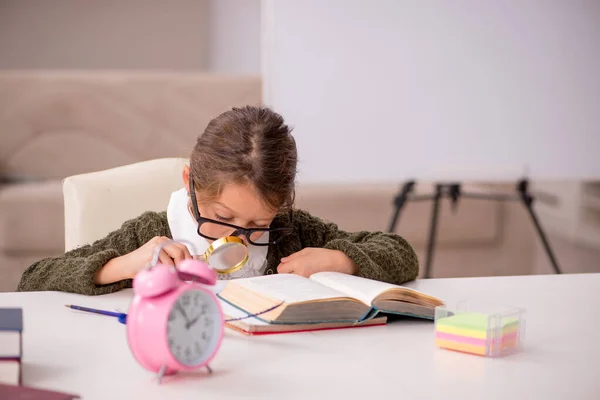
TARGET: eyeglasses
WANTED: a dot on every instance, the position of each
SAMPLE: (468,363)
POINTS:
(214,230)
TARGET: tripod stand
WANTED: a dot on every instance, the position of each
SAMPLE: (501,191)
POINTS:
(454,192)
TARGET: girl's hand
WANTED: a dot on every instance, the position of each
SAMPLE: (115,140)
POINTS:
(128,265)
(311,260)
(170,254)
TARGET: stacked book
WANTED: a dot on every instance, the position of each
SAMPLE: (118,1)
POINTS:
(11,345)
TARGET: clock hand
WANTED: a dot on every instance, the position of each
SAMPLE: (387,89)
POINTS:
(189,324)
(187,320)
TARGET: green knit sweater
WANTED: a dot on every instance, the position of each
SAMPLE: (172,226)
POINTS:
(380,256)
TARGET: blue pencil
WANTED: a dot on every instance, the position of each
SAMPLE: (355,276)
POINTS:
(121,316)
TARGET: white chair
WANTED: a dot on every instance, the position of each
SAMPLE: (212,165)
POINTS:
(99,202)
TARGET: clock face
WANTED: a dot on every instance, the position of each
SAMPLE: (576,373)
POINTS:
(193,327)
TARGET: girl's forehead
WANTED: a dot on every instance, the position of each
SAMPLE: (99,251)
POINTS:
(244,202)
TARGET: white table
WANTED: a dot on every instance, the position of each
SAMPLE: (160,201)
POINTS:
(88,354)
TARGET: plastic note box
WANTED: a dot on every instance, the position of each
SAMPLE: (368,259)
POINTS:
(484,329)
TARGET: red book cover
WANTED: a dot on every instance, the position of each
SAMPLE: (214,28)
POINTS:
(11,392)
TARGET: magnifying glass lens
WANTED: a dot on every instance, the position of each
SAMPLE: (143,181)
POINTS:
(228,257)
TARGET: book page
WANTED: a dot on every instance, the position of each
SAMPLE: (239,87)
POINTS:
(289,288)
(362,289)
(9,372)
(231,312)
(239,321)
(218,286)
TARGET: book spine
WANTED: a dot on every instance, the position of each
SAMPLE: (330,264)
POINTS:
(373,311)
(20,358)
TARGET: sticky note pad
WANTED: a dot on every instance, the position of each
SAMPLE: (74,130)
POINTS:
(478,332)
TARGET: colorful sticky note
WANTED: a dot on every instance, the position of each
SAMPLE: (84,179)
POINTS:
(477,333)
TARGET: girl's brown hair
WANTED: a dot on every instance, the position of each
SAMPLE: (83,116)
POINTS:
(248,145)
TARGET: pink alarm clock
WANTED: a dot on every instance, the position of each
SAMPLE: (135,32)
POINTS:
(175,322)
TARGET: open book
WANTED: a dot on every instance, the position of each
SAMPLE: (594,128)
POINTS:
(325,300)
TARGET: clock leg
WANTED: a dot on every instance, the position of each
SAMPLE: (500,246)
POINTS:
(161,373)
(209,369)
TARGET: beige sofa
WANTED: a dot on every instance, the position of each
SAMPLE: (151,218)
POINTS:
(54,125)
(57,124)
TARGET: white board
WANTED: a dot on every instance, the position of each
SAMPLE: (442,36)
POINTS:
(382,91)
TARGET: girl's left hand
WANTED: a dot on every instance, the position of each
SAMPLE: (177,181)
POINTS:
(312,260)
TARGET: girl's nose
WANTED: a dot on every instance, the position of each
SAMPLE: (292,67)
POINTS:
(241,236)
(244,239)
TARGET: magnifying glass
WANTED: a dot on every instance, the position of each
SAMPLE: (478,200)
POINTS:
(226,255)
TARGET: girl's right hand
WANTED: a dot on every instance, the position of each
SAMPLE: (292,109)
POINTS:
(128,265)
(170,254)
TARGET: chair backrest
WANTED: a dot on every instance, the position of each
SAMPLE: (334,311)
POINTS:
(98,203)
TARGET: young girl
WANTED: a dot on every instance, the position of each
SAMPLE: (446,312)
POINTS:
(240,181)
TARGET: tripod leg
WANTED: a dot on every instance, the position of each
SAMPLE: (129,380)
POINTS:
(527,200)
(432,230)
(395,217)
(399,203)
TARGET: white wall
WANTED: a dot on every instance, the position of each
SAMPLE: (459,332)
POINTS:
(385,90)
(214,35)
(113,34)
(234,29)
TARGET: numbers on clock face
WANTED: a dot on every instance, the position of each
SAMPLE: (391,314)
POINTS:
(191,327)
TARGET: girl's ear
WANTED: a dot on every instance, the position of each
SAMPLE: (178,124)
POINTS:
(186,178)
